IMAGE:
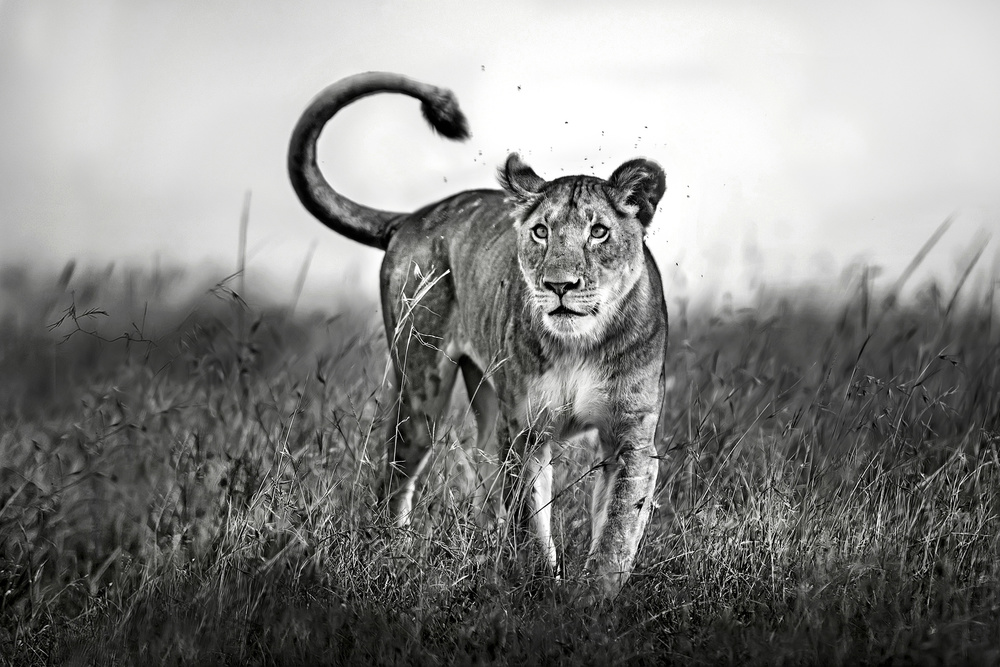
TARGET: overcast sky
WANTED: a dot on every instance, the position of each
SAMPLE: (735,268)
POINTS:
(797,137)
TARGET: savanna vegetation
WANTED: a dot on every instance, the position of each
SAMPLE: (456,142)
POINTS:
(190,480)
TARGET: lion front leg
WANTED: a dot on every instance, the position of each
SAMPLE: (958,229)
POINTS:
(622,502)
(527,489)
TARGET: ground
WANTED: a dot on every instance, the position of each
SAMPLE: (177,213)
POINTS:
(192,481)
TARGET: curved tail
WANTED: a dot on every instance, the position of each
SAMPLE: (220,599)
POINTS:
(360,223)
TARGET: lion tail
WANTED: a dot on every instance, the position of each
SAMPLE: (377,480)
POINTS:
(366,225)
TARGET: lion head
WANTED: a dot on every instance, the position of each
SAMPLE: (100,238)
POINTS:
(580,242)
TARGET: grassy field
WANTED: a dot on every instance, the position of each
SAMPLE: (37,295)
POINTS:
(190,481)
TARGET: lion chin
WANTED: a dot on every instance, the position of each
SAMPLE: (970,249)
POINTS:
(568,320)
(570,324)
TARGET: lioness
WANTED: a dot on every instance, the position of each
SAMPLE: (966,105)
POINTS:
(546,298)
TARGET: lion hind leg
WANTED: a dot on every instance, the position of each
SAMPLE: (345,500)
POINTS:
(485,407)
(483,398)
(424,396)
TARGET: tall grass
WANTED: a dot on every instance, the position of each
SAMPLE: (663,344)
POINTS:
(193,482)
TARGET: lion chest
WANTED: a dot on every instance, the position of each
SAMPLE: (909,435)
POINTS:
(567,392)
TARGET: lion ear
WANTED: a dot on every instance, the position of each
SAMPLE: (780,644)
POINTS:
(637,186)
(519,179)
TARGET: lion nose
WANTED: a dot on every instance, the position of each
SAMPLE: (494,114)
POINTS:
(561,288)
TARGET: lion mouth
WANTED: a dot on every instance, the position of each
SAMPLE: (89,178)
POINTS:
(563,311)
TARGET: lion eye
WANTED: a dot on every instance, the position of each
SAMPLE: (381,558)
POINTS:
(598,232)
(540,232)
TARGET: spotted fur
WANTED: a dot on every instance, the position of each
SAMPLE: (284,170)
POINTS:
(544,296)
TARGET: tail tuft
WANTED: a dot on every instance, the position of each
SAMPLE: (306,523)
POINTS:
(442,112)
